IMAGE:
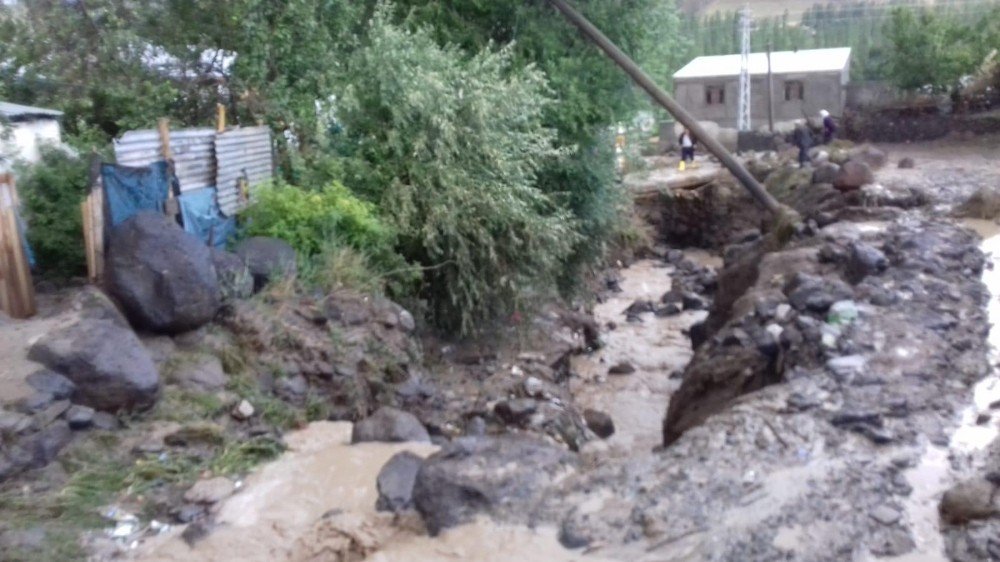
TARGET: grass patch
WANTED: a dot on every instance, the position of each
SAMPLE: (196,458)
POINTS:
(182,406)
(273,410)
(241,456)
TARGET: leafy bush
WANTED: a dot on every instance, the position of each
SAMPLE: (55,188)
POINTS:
(450,147)
(306,218)
(51,192)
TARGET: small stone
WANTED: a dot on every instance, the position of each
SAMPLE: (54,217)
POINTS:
(12,423)
(390,425)
(475,426)
(204,373)
(51,382)
(243,411)
(533,387)
(693,301)
(983,418)
(291,387)
(599,422)
(516,412)
(406,321)
(622,368)
(669,309)
(196,532)
(885,515)
(210,491)
(80,417)
(35,403)
(51,413)
(907,163)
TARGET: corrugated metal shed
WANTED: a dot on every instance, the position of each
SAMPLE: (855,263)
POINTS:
(782,62)
(18,112)
(242,153)
(193,150)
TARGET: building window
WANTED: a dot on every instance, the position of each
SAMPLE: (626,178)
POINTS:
(794,90)
(715,95)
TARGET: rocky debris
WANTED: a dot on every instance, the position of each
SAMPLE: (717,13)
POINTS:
(162,276)
(504,477)
(188,513)
(235,280)
(34,450)
(516,412)
(853,175)
(80,417)
(242,411)
(210,491)
(267,259)
(599,422)
(871,156)
(395,482)
(621,368)
(389,425)
(907,163)
(968,500)
(52,383)
(202,372)
(108,365)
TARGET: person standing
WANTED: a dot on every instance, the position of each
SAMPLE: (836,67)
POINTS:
(802,138)
(687,143)
(829,126)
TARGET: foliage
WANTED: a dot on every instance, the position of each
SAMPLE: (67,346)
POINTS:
(451,147)
(305,218)
(51,192)
(928,49)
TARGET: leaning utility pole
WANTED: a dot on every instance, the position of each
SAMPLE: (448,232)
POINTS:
(668,103)
(770,92)
(743,105)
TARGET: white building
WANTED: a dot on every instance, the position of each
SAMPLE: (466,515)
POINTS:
(24,129)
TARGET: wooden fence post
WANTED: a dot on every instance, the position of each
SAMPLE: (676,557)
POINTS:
(17,291)
(172,207)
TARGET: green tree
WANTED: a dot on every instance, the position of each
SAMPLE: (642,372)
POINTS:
(928,50)
(450,147)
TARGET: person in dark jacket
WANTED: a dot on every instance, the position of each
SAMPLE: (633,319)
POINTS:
(802,138)
(829,126)
(687,143)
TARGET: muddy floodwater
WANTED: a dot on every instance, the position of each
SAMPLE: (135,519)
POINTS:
(317,503)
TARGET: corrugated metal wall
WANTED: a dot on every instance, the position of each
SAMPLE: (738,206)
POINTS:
(241,153)
(193,150)
(204,158)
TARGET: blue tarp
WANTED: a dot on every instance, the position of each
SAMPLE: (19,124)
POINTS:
(202,218)
(130,190)
(23,229)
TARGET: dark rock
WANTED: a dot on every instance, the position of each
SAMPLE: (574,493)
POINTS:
(673,296)
(669,309)
(50,414)
(475,427)
(968,500)
(189,513)
(612,284)
(267,259)
(826,173)
(816,294)
(864,260)
(51,382)
(856,417)
(853,175)
(800,401)
(639,307)
(873,157)
(291,388)
(600,423)
(621,368)
(517,411)
(907,163)
(162,276)
(80,417)
(694,302)
(674,256)
(748,235)
(503,477)
(390,425)
(571,535)
(46,444)
(395,482)
(235,280)
(108,364)
(196,532)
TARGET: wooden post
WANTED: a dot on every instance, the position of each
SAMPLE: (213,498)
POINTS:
(172,208)
(220,118)
(17,291)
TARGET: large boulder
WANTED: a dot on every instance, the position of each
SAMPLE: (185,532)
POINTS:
(110,368)
(389,425)
(826,173)
(870,155)
(162,276)
(853,175)
(504,477)
(267,259)
(395,482)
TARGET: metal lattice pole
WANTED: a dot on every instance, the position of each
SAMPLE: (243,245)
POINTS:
(743,104)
